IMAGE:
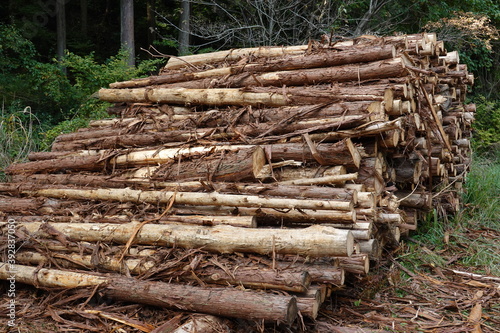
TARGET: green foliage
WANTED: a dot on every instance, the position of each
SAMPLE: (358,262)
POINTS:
(487,124)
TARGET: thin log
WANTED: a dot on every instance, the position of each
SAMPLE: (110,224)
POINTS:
(191,198)
(217,301)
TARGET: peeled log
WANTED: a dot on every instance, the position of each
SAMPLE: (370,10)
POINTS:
(190,198)
(217,301)
(314,241)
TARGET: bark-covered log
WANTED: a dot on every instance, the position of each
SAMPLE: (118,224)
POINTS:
(303,76)
(315,241)
(227,302)
(290,279)
(323,58)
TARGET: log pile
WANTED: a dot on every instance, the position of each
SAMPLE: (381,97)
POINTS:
(247,182)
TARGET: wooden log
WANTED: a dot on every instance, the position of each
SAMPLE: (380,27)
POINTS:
(323,58)
(217,301)
(220,117)
(110,139)
(422,200)
(309,306)
(291,280)
(233,96)
(243,164)
(302,76)
(314,241)
(191,198)
(233,54)
(358,264)
(362,199)
(362,131)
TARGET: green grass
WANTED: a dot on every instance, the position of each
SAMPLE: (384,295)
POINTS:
(469,239)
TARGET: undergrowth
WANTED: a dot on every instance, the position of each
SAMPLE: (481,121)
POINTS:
(468,240)
(17,135)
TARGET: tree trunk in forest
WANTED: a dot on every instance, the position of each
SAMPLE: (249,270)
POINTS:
(127,29)
(184,27)
(61,29)
(217,301)
(84,17)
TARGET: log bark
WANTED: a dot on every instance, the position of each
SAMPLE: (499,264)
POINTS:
(217,301)
(315,241)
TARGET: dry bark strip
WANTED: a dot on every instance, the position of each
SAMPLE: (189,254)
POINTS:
(314,241)
(226,302)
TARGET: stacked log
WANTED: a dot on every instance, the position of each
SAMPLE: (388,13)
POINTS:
(278,168)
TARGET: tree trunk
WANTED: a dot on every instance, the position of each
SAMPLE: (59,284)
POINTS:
(127,29)
(61,29)
(84,17)
(184,28)
(226,302)
(315,241)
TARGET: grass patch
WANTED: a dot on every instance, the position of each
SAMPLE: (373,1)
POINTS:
(469,240)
